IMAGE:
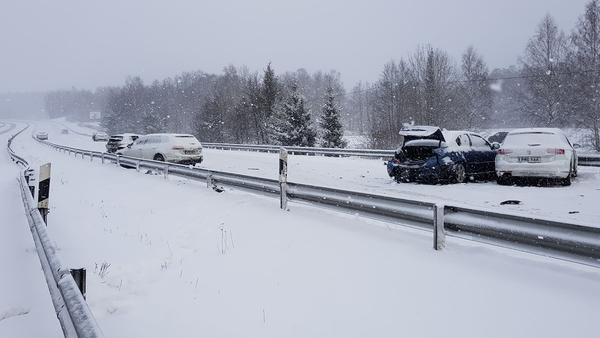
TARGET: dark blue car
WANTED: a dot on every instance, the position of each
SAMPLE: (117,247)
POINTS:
(430,155)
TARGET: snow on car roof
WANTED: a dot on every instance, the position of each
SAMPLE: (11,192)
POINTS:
(536,130)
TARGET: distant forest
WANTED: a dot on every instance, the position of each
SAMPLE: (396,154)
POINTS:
(555,83)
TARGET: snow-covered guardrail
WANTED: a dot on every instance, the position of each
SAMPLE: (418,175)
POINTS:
(584,159)
(11,153)
(375,153)
(572,242)
(74,315)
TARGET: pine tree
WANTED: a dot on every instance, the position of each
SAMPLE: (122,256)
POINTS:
(268,100)
(294,122)
(330,122)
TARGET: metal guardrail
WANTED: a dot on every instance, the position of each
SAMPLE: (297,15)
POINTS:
(588,160)
(571,242)
(584,159)
(74,315)
(376,153)
(13,156)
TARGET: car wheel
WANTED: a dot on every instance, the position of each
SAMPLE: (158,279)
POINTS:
(159,157)
(567,180)
(458,173)
(504,180)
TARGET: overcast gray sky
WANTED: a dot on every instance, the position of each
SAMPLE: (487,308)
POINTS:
(51,45)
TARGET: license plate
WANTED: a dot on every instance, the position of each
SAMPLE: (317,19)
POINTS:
(190,152)
(530,159)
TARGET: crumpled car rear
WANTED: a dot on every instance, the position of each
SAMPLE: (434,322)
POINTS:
(421,160)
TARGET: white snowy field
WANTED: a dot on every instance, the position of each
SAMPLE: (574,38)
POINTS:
(187,261)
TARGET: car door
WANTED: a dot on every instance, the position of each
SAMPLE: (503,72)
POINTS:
(150,148)
(481,157)
(136,147)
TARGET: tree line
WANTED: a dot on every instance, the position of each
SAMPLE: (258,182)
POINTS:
(554,84)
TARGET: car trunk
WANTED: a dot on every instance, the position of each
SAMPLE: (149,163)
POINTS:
(187,145)
(420,150)
(532,148)
(419,144)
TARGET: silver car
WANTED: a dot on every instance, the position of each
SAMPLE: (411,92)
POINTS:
(536,153)
(174,148)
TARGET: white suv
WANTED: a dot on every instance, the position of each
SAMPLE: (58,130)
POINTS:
(175,148)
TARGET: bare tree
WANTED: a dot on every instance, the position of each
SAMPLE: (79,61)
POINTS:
(476,98)
(586,42)
(435,75)
(544,70)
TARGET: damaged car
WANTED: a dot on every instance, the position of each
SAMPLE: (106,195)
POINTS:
(429,155)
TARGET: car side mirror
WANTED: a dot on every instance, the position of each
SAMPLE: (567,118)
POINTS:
(576,146)
(129,145)
(495,146)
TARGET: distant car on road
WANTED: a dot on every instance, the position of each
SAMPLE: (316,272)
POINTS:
(175,148)
(42,135)
(536,153)
(100,136)
(120,141)
(65,131)
(430,155)
(498,137)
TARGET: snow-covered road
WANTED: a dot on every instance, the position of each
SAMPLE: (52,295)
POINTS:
(577,203)
(187,261)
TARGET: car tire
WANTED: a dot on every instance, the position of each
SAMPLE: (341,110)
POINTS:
(459,174)
(159,157)
(567,180)
(504,180)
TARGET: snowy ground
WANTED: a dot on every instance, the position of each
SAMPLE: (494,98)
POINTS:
(187,261)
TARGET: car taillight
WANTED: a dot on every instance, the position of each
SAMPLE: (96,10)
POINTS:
(555,151)
(177,148)
(504,151)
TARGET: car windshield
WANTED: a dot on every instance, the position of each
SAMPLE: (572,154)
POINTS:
(116,138)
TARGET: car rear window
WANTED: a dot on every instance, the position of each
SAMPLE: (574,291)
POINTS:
(116,138)
(526,138)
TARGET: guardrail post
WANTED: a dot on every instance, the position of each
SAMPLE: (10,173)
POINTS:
(137,166)
(31,182)
(91,156)
(118,160)
(102,156)
(283,158)
(44,191)
(209,180)
(80,280)
(166,172)
(439,236)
